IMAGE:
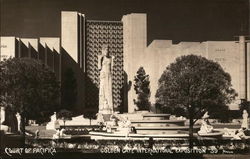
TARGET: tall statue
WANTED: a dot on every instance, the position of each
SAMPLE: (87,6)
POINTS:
(105,64)
(245,120)
(18,117)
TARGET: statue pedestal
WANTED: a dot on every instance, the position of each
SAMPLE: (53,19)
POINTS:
(106,111)
(51,125)
(101,117)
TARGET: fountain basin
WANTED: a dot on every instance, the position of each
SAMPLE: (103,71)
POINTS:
(155,116)
(165,130)
(122,136)
(214,134)
(157,123)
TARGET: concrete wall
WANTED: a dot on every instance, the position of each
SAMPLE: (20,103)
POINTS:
(134,45)
(51,42)
(49,53)
(28,47)
(226,54)
(232,56)
(69,33)
(160,53)
(7,47)
(72,35)
(46,49)
(73,53)
(248,71)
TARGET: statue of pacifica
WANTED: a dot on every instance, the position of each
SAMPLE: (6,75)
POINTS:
(105,64)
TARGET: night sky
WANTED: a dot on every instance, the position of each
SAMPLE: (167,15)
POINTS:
(179,20)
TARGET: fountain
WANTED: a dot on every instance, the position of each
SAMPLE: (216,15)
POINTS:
(149,125)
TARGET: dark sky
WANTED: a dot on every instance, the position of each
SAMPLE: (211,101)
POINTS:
(180,20)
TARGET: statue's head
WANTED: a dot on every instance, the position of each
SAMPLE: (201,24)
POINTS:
(244,111)
(105,50)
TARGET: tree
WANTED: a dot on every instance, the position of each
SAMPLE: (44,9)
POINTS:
(142,90)
(29,88)
(64,115)
(196,85)
(69,90)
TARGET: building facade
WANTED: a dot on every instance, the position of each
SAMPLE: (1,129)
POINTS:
(81,41)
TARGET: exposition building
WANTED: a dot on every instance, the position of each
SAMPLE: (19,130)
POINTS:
(81,41)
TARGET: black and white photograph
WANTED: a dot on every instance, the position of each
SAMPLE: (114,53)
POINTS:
(125,79)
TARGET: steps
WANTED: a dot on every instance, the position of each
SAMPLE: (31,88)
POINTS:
(158,124)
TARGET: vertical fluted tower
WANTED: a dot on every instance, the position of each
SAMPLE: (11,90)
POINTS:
(242,55)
